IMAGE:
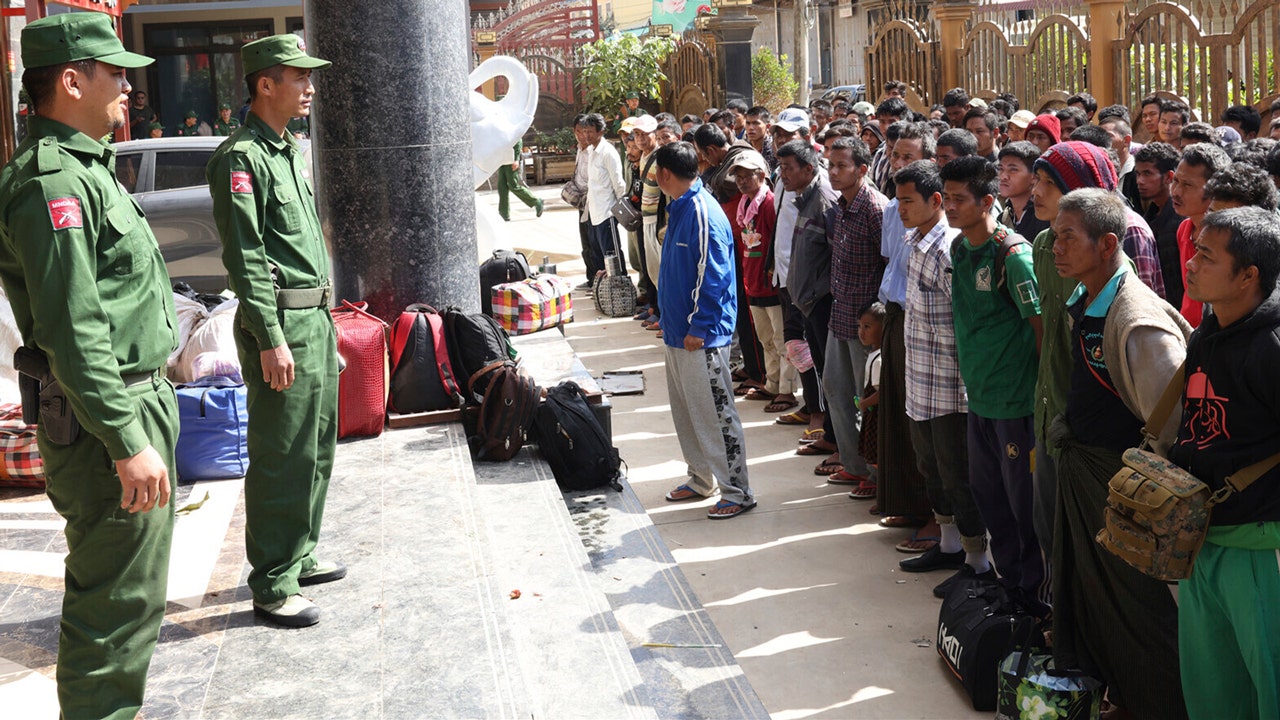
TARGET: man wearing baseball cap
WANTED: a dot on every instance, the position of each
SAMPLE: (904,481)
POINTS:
(91,298)
(278,267)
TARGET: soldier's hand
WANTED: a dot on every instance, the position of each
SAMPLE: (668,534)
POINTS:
(144,479)
(277,367)
(515,166)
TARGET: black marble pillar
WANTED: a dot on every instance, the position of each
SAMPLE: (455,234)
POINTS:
(733,29)
(392,146)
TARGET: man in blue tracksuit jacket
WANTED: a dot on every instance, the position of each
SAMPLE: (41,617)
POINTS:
(698,316)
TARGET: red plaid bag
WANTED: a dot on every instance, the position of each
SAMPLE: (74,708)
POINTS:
(532,305)
(22,466)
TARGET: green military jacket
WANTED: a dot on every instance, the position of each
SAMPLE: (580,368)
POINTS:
(266,214)
(223,129)
(184,131)
(85,277)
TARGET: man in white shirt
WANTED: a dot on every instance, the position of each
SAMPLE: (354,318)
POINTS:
(604,186)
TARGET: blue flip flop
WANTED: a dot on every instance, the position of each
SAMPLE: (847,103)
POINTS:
(725,505)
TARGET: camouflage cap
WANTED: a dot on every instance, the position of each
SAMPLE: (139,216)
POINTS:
(288,49)
(69,37)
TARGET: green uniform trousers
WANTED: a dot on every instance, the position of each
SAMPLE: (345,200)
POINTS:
(510,182)
(1229,634)
(292,437)
(117,566)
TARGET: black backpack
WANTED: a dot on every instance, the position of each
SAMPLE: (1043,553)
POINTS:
(422,376)
(504,267)
(573,442)
(476,341)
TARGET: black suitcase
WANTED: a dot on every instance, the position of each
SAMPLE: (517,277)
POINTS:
(975,626)
(505,266)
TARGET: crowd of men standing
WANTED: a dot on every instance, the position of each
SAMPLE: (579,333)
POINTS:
(982,308)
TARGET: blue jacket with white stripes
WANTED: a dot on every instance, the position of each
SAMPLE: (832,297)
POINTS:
(697,290)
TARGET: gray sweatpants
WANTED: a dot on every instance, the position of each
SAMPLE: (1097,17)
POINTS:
(843,378)
(700,386)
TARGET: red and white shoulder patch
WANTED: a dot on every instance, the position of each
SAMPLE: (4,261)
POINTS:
(241,182)
(65,213)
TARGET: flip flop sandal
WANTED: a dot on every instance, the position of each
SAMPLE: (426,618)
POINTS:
(844,477)
(866,490)
(778,406)
(659,335)
(902,521)
(682,493)
(816,449)
(758,394)
(812,436)
(799,417)
(874,509)
(906,545)
(739,375)
(726,505)
(828,468)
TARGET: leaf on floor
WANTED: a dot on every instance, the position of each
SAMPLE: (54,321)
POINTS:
(188,509)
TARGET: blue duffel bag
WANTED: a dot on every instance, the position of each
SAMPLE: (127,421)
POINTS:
(213,439)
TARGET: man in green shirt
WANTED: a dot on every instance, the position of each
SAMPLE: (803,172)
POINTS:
(225,124)
(190,126)
(278,267)
(91,298)
(997,319)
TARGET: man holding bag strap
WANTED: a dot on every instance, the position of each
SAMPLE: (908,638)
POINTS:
(278,266)
(1228,628)
(92,301)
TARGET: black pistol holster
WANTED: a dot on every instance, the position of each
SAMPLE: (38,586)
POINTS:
(43,400)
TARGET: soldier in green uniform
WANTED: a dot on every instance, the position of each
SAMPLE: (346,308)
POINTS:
(225,124)
(511,181)
(92,301)
(155,130)
(190,126)
(278,266)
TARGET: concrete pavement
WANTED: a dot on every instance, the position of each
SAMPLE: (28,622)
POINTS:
(805,588)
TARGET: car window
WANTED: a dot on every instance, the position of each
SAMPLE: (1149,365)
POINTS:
(181,169)
(127,168)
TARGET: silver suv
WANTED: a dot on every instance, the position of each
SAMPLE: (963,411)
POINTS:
(166,177)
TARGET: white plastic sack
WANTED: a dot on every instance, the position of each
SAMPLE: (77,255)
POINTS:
(10,341)
(202,331)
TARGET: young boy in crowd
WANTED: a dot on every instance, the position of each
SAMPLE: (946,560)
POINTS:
(870,333)
(1013,170)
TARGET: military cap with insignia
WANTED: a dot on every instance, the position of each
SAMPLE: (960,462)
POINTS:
(70,37)
(285,49)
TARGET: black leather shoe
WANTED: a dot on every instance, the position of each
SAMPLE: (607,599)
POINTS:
(966,571)
(933,559)
(323,572)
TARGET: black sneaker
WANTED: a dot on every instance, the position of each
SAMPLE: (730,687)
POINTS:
(933,559)
(965,571)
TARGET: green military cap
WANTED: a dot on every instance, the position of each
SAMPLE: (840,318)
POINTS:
(224,106)
(633,96)
(155,126)
(278,50)
(192,114)
(68,37)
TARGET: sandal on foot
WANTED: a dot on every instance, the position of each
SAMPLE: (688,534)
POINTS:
(917,543)
(739,375)
(778,406)
(902,521)
(812,436)
(818,447)
(844,477)
(756,393)
(682,493)
(866,490)
(726,509)
(828,468)
(799,417)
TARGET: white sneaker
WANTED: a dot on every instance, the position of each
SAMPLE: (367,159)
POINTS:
(293,611)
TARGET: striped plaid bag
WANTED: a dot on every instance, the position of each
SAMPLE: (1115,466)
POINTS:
(22,466)
(534,304)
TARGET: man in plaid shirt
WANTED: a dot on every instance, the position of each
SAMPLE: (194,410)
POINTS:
(856,271)
(936,400)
